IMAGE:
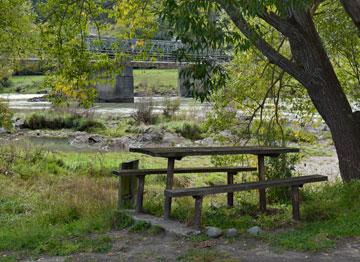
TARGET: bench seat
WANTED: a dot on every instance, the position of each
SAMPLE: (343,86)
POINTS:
(140,174)
(200,192)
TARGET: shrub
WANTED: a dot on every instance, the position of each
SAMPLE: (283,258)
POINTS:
(5,115)
(5,82)
(144,112)
(171,107)
(280,167)
(190,131)
(40,121)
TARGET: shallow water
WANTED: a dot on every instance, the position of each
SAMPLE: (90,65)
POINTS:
(19,102)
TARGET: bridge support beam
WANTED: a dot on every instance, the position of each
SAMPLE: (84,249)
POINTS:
(120,91)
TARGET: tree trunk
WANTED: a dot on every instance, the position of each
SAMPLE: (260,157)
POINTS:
(326,93)
(352,7)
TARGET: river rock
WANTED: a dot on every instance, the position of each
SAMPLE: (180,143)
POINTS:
(151,134)
(38,99)
(19,123)
(95,139)
(254,230)
(231,232)
(2,130)
(213,232)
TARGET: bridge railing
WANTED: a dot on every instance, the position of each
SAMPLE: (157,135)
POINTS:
(159,50)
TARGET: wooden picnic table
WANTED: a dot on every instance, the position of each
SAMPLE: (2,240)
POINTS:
(177,153)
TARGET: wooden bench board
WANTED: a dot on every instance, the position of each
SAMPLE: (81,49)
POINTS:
(201,191)
(142,172)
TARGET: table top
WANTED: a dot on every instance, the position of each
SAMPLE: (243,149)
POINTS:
(179,152)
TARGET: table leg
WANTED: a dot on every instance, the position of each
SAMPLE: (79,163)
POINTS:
(262,192)
(230,196)
(169,185)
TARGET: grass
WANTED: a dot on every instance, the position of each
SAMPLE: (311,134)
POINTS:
(59,121)
(24,84)
(156,81)
(63,203)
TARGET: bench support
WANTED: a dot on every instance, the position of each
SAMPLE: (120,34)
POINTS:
(169,185)
(198,207)
(262,192)
(230,196)
(295,202)
(140,194)
(127,186)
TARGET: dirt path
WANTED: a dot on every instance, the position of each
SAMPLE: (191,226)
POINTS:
(139,247)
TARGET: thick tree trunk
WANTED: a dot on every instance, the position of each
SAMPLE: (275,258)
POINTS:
(352,7)
(326,93)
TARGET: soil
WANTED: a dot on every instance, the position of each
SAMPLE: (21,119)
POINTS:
(163,247)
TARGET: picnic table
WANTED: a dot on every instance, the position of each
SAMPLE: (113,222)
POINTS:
(177,153)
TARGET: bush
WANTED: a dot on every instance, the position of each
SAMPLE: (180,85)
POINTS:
(144,112)
(280,167)
(5,115)
(171,107)
(190,131)
(39,121)
(5,82)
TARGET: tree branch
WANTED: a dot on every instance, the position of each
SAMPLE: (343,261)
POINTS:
(352,7)
(274,57)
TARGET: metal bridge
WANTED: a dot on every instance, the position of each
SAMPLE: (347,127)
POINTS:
(151,51)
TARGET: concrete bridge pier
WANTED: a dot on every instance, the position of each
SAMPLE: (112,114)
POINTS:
(119,91)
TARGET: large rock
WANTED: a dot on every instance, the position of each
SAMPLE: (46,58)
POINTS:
(213,232)
(255,231)
(231,232)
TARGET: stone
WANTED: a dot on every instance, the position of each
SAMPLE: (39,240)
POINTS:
(231,232)
(2,130)
(213,232)
(19,123)
(254,230)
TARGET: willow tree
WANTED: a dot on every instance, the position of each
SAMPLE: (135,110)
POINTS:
(242,23)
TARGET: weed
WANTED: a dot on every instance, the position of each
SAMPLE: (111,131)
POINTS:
(144,112)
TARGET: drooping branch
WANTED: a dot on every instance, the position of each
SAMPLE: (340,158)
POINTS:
(352,7)
(266,49)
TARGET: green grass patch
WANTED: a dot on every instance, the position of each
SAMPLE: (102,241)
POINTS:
(24,84)
(156,81)
(61,121)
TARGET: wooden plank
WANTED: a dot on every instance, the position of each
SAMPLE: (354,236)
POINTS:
(262,191)
(179,152)
(169,185)
(200,191)
(140,194)
(295,202)
(162,171)
(197,215)
(127,186)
